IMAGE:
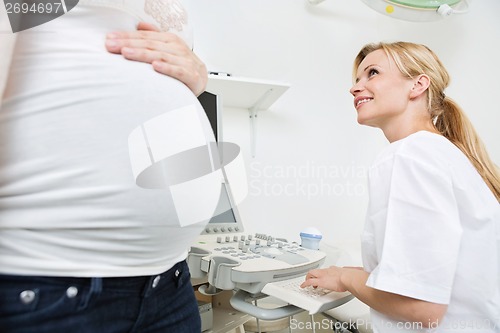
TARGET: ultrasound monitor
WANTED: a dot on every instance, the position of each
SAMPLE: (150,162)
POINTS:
(226,218)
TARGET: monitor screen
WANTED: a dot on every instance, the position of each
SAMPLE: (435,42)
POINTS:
(226,217)
(210,104)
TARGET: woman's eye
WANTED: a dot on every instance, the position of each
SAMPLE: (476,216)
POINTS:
(372,72)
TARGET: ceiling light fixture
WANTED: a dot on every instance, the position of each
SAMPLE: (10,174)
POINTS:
(415,10)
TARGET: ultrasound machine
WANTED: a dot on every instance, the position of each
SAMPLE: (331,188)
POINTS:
(253,265)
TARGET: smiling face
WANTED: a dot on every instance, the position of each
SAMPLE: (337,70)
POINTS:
(381,93)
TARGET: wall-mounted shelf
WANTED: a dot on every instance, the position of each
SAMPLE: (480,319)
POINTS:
(246,93)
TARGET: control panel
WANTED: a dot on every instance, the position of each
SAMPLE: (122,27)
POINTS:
(249,261)
(214,230)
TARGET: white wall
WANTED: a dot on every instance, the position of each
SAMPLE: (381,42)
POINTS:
(311,153)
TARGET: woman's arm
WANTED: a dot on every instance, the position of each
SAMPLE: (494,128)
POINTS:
(167,53)
(397,306)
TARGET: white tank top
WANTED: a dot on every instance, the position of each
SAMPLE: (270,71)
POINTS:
(69,205)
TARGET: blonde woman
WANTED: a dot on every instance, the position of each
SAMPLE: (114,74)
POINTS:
(432,234)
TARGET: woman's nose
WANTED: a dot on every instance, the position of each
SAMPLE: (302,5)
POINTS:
(355,89)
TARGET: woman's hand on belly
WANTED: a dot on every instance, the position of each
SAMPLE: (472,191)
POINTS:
(167,53)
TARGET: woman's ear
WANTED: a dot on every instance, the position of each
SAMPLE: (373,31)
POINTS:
(420,85)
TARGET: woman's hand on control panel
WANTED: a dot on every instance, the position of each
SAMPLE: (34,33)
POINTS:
(334,278)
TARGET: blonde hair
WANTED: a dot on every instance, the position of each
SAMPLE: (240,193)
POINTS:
(447,116)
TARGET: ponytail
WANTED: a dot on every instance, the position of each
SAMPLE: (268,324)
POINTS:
(456,127)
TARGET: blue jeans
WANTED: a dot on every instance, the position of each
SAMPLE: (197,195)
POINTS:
(148,304)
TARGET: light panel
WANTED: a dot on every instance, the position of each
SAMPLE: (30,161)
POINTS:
(414,10)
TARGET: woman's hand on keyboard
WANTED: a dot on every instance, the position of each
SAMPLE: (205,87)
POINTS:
(167,52)
(328,278)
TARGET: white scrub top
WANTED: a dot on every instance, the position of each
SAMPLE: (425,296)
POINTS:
(432,233)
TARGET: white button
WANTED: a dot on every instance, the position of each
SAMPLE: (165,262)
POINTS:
(156,281)
(27,296)
(71,292)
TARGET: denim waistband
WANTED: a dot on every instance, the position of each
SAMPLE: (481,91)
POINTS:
(123,283)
